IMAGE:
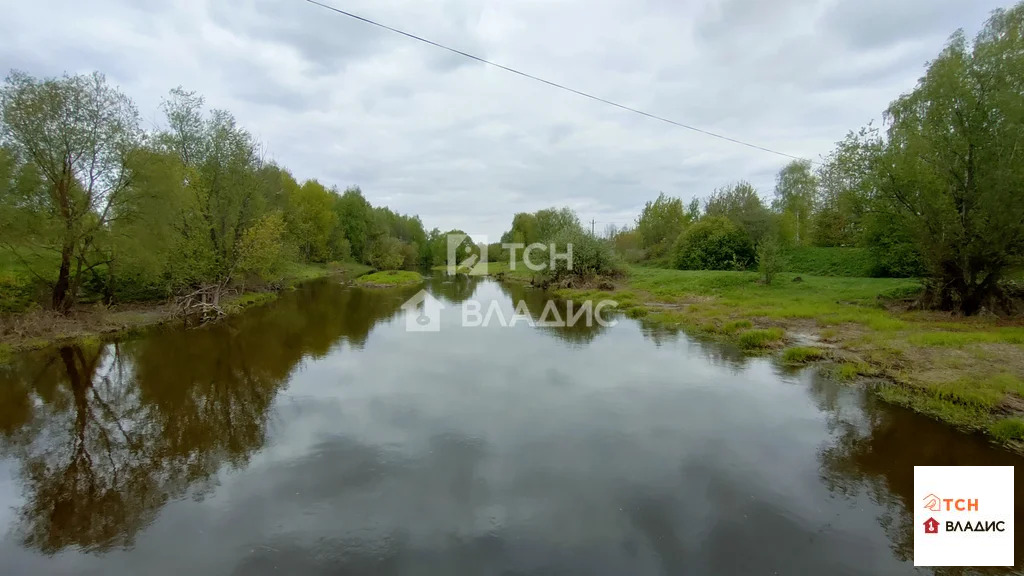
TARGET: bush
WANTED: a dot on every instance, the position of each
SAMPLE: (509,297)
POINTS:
(713,243)
(591,256)
(16,294)
(386,254)
(769,259)
(831,261)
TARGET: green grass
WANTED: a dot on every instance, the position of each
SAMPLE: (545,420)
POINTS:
(1007,429)
(801,355)
(962,339)
(758,338)
(850,370)
(815,261)
(961,415)
(295,273)
(736,325)
(389,278)
(248,300)
(349,269)
(636,312)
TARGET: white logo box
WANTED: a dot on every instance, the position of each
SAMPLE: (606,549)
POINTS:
(976,502)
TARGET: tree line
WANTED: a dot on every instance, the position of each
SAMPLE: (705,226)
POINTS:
(93,206)
(937,192)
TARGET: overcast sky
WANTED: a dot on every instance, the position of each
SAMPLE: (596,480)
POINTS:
(466,145)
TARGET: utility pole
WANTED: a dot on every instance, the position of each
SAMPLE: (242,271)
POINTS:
(592,222)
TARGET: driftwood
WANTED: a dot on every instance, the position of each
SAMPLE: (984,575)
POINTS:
(202,305)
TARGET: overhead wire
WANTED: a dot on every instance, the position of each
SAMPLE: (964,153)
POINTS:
(555,84)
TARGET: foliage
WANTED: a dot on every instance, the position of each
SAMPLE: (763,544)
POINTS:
(660,224)
(541,226)
(950,173)
(385,253)
(70,138)
(742,205)
(591,256)
(260,249)
(795,191)
(769,259)
(311,220)
(845,185)
(93,207)
(713,243)
(821,261)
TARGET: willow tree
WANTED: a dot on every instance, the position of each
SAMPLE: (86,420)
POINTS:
(953,165)
(76,132)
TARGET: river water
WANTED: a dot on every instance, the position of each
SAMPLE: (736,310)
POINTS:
(316,435)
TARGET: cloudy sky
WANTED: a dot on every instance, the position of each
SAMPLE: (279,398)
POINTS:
(466,145)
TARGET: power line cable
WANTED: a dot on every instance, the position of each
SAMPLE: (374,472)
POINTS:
(554,84)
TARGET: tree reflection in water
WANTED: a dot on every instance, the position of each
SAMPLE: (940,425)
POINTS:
(105,434)
(872,453)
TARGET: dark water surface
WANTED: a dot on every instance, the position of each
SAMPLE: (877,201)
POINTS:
(317,436)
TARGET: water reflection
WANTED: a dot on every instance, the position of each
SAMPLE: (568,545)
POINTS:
(106,434)
(873,451)
(316,436)
(535,301)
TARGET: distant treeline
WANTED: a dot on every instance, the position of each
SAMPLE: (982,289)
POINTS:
(93,205)
(938,194)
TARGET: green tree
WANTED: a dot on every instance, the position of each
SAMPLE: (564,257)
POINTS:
(845,187)
(386,253)
(742,205)
(77,132)
(951,169)
(551,221)
(311,219)
(222,185)
(355,216)
(660,223)
(795,192)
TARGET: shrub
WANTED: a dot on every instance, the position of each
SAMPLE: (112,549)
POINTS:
(713,243)
(831,261)
(769,259)
(386,254)
(591,256)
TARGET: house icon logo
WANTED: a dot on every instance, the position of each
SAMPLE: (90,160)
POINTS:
(422,313)
(931,526)
(932,502)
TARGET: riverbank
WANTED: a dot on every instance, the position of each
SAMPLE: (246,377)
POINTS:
(38,328)
(968,372)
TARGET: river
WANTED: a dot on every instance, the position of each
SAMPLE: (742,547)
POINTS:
(316,435)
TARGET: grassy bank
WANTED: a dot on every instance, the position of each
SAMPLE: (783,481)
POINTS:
(965,371)
(390,279)
(501,270)
(35,328)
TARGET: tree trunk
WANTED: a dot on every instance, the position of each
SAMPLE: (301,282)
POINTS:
(108,288)
(60,289)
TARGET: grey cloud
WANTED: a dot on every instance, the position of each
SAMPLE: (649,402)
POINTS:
(868,24)
(466,145)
